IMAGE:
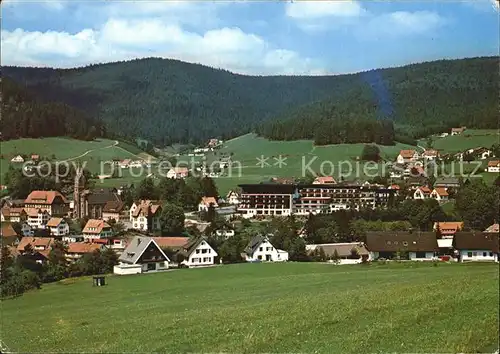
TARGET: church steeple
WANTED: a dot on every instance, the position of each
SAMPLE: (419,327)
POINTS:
(77,191)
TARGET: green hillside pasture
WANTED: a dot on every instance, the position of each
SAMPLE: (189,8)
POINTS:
(298,155)
(294,307)
(469,139)
(66,149)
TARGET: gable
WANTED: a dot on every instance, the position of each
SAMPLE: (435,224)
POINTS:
(152,253)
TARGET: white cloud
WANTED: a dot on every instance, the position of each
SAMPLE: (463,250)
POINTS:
(401,23)
(119,39)
(321,9)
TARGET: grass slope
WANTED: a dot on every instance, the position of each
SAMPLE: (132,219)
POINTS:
(246,308)
(91,152)
(247,148)
(471,138)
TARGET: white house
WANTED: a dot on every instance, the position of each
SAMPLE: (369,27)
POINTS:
(477,247)
(17,159)
(97,229)
(58,227)
(430,155)
(198,252)
(440,194)
(177,172)
(145,215)
(348,253)
(224,233)
(422,193)
(457,131)
(233,197)
(141,255)
(493,166)
(206,202)
(37,219)
(407,156)
(415,246)
(260,249)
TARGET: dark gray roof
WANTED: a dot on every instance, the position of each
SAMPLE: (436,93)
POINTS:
(103,195)
(136,248)
(254,243)
(446,180)
(393,241)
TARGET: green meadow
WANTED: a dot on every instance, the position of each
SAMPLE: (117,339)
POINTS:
(93,153)
(256,308)
(470,138)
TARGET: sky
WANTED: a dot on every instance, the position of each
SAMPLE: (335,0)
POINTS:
(249,37)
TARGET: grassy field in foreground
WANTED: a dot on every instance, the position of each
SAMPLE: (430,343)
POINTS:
(91,152)
(294,307)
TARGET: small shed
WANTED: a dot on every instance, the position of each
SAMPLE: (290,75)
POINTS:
(98,280)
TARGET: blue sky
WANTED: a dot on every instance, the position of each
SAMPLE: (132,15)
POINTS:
(249,37)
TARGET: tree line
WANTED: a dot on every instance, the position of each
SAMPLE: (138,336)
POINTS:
(169,101)
(24,273)
(26,116)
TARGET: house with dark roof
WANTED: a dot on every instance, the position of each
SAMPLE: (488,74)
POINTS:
(198,252)
(145,215)
(142,255)
(412,245)
(348,252)
(477,246)
(447,182)
(92,202)
(114,210)
(260,249)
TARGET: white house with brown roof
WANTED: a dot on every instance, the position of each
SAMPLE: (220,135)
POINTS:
(430,155)
(206,202)
(422,193)
(493,166)
(37,218)
(12,214)
(457,131)
(178,172)
(40,244)
(51,201)
(96,229)
(145,215)
(77,250)
(58,227)
(448,229)
(407,156)
(440,194)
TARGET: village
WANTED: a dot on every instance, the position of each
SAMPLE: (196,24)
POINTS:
(134,232)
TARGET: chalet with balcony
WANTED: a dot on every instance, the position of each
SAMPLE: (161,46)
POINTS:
(142,255)
(96,229)
(144,215)
(51,201)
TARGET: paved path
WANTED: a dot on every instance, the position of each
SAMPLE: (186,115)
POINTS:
(116,142)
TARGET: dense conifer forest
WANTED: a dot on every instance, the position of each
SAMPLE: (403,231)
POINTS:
(169,101)
(25,116)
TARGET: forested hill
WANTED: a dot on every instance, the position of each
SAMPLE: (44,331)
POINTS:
(419,99)
(172,101)
(25,116)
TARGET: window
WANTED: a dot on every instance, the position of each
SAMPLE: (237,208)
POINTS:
(261,248)
(474,254)
(420,255)
(405,243)
(259,257)
(197,251)
(204,250)
(469,254)
(491,254)
(484,254)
